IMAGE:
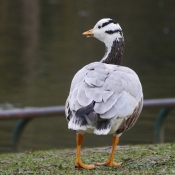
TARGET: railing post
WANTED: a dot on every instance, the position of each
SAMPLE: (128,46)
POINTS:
(159,125)
(18,131)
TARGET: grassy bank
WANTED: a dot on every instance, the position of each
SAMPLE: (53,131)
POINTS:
(141,159)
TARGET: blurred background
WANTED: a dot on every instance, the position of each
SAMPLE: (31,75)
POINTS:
(42,47)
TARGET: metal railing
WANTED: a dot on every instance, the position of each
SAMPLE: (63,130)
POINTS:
(26,114)
(165,105)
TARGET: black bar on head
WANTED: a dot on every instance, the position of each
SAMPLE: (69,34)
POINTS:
(109,22)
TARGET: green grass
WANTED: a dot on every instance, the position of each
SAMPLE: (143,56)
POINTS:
(140,159)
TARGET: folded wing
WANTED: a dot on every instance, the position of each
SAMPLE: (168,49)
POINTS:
(116,90)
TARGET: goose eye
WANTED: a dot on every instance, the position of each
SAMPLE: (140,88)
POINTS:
(99,27)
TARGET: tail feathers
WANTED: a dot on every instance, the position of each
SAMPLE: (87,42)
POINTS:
(103,127)
(78,123)
(84,118)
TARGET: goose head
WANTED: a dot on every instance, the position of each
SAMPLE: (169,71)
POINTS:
(105,30)
(110,33)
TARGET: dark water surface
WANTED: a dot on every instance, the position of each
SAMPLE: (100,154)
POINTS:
(42,47)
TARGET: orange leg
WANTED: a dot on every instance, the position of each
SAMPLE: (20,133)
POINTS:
(78,162)
(111,162)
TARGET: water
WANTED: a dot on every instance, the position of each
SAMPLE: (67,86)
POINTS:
(42,47)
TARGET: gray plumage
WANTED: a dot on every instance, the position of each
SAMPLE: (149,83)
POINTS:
(116,91)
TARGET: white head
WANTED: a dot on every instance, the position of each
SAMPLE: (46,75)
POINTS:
(106,30)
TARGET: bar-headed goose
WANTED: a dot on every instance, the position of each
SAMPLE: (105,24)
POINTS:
(105,97)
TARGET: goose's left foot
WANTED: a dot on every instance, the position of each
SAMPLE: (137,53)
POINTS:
(78,162)
(110,163)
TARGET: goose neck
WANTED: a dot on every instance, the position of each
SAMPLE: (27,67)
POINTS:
(114,52)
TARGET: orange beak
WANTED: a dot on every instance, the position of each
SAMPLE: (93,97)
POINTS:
(88,33)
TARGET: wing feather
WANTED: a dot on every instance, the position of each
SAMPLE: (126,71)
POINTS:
(110,113)
(93,81)
(106,95)
(95,65)
(97,97)
(83,100)
(78,78)
(103,107)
